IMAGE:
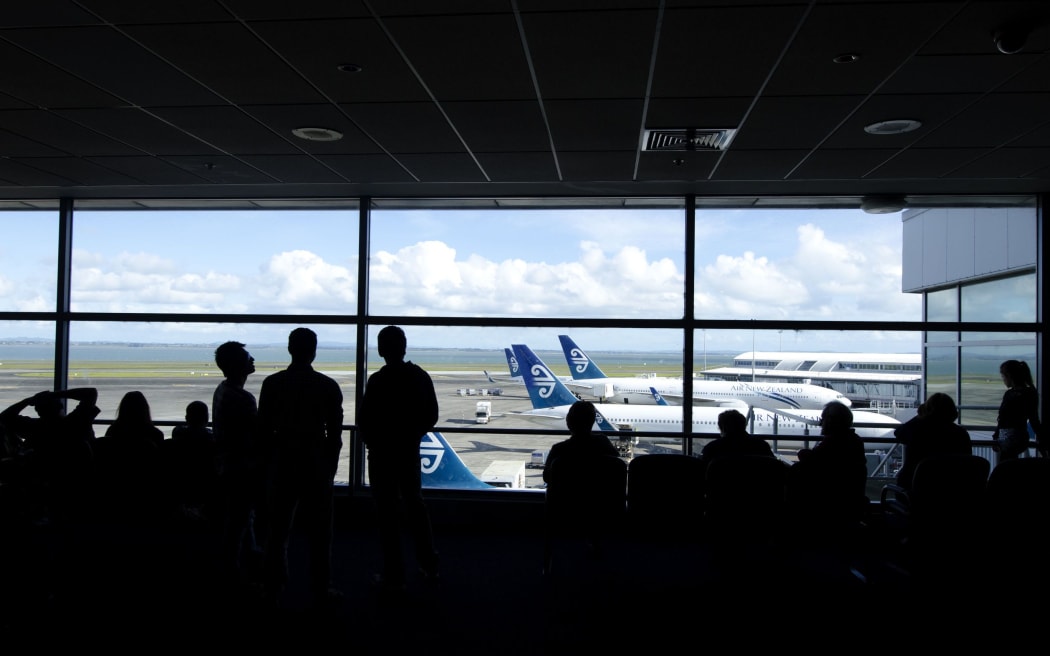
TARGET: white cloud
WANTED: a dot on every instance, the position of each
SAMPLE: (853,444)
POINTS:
(427,278)
(300,281)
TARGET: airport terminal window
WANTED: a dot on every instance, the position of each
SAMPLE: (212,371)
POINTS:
(27,359)
(943,305)
(796,264)
(467,278)
(196,261)
(981,388)
(563,262)
(1009,300)
(28,264)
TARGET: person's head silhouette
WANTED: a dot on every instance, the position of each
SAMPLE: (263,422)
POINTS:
(732,422)
(302,345)
(580,418)
(392,344)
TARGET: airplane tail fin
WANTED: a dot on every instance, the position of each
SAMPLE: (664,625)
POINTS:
(545,389)
(659,398)
(442,468)
(489,376)
(513,365)
(580,365)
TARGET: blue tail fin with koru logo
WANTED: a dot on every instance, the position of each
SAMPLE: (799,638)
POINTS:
(545,389)
(441,467)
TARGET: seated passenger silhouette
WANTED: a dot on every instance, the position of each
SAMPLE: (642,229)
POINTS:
(932,431)
(734,439)
(583,441)
(191,464)
(829,481)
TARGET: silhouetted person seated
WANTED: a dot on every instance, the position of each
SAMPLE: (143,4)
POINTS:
(191,464)
(56,449)
(931,432)
(828,484)
(583,441)
(581,503)
(734,440)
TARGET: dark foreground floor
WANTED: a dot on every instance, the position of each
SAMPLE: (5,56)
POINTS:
(156,589)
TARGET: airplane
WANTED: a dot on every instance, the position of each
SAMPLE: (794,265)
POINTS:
(890,377)
(588,377)
(551,399)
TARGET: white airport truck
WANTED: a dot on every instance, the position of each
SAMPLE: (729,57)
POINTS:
(483,412)
(505,473)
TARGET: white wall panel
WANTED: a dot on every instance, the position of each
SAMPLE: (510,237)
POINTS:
(950,245)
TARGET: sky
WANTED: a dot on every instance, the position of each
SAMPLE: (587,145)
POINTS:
(607,263)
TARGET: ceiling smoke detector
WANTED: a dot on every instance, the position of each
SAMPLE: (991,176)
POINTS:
(688,139)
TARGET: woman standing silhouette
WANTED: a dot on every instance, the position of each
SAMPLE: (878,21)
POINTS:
(1019,408)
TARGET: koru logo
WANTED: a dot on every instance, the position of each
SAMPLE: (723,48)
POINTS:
(430,454)
(579,360)
(544,381)
(514,365)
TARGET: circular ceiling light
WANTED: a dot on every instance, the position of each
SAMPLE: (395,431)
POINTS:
(846,58)
(893,126)
(883,204)
(350,68)
(318,134)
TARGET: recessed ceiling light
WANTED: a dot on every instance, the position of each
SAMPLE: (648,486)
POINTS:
(883,204)
(349,68)
(893,126)
(318,134)
(846,58)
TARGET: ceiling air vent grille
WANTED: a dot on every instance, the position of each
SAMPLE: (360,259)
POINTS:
(686,139)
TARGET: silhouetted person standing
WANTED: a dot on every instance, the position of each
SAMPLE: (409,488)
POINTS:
(235,422)
(399,407)
(301,411)
(1018,409)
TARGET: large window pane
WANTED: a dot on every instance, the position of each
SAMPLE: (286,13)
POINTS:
(182,261)
(28,264)
(982,388)
(875,371)
(178,365)
(470,365)
(27,360)
(552,262)
(1007,300)
(800,264)
(943,305)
